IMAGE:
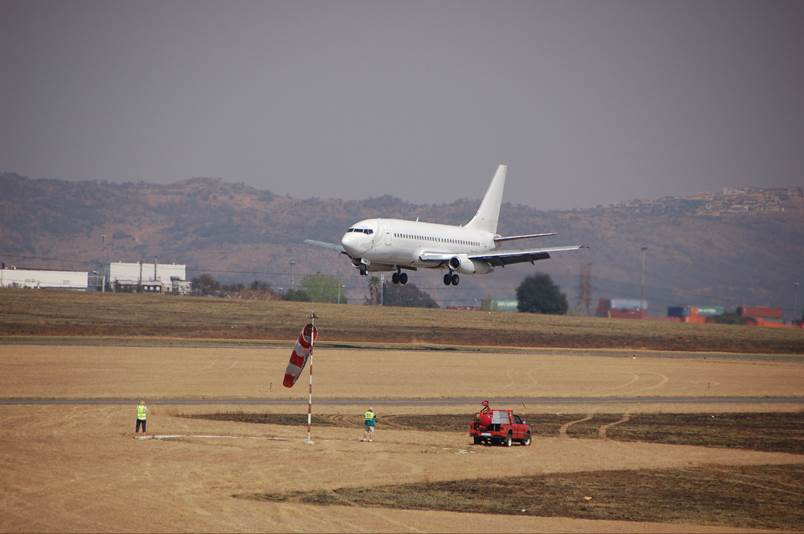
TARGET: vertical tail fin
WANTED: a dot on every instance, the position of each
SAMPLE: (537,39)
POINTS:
(489,210)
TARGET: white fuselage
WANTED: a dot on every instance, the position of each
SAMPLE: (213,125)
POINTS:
(385,244)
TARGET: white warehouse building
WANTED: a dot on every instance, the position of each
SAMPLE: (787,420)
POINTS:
(146,277)
(44,279)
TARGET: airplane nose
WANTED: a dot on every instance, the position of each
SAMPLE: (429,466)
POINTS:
(351,244)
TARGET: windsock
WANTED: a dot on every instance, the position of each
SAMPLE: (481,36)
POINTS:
(299,356)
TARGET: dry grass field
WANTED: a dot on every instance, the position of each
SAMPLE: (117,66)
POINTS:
(657,466)
(28,312)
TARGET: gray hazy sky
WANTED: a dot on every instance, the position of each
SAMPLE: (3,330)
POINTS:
(588,102)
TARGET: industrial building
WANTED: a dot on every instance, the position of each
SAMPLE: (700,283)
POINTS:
(143,277)
(44,279)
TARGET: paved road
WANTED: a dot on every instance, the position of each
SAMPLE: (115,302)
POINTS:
(451,401)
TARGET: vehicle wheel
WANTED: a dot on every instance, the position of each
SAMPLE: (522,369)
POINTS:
(403,278)
(477,440)
(447,279)
(395,278)
(455,279)
(508,440)
(527,441)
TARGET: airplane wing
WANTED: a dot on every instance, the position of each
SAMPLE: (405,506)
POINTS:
(501,258)
(324,244)
(500,238)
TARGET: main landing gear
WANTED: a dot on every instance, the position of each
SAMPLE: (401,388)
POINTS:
(399,277)
(363,268)
(451,278)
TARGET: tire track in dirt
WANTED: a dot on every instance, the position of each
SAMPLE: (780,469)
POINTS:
(510,384)
(663,379)
(634,378)
(562,432)
(603,430)
(736,480)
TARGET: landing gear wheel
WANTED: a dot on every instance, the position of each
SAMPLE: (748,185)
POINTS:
(395,278)
(527,441)
(447,279)
(403,278)
(508,440)
(455,279)
(363,269)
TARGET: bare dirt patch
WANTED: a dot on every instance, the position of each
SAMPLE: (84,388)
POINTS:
(153,372)
(768,496)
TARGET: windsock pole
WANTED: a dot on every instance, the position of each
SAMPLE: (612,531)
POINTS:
(309,439)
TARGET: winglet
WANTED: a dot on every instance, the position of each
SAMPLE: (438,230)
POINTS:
(489,211)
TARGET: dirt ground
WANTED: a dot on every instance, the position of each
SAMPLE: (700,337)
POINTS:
(154,372)
(77,468)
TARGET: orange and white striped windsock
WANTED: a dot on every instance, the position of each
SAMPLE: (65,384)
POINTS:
(300,354)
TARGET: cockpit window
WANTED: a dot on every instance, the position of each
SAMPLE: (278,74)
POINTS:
(367,231)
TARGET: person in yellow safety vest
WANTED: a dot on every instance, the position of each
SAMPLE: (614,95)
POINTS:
(142,417)
(369,422)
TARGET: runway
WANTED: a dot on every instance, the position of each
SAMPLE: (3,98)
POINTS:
(411,401)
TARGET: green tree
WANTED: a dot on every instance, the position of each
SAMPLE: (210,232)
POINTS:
(205,284)
(538,294)
(407,295)
(323,288)
(297,295)
(259,285)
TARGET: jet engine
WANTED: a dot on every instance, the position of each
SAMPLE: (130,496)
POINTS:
(463,264)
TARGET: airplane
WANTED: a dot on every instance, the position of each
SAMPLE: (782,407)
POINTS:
(398,245)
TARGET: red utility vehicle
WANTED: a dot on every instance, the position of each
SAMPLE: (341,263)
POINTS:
(491,426)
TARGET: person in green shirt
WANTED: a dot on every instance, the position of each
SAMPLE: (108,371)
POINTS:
(369,422)
(142,417)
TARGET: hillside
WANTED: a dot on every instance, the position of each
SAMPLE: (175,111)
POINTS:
(740,246)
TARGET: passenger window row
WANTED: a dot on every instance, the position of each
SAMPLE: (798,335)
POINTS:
(438,239)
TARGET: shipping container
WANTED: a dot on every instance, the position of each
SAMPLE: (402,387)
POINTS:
(677,311)
(710,311)
(760,311)
(695,319)
(769,323)
(603,307)
(626,314)
(629,304)
(502,305)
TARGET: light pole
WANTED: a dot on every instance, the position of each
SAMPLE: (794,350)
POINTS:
(643,249)
(797,315)
(292,281)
